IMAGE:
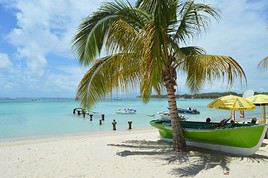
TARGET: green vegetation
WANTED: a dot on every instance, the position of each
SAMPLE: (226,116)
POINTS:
(264,63)
(211,95)
(200,95)
(146,45)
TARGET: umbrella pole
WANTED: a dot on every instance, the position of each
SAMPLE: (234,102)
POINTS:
(264,113)
(234,115)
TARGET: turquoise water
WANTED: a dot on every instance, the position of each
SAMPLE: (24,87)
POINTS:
(27,117)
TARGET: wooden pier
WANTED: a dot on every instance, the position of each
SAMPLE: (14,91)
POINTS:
(82,112)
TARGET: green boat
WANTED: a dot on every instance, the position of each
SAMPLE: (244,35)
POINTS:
(233,138)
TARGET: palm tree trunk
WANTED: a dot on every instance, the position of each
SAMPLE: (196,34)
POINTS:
(178,139)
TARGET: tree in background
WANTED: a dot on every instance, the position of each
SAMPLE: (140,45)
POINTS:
(264,63)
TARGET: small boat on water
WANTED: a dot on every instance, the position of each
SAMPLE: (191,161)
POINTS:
(166,115)
(126,111)
(239,139)
(188,111)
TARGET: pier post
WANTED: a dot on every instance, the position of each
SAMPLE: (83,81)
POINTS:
(114,124)
(129,125)
(100,122)
(91,116)
(84,114)
(78,112)
(102,117)
(74,111)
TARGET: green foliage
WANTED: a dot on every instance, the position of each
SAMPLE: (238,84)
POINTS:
(200,68)
(144,41)
(263,63)
(201,95)
(209,95)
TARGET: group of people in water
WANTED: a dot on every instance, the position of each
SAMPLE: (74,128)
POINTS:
(224,121)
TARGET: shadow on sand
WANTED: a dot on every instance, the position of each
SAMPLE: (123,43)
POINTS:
(189,163)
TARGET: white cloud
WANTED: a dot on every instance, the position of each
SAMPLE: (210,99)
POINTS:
(46,27)
(67,79)
(9,73)
(4,61)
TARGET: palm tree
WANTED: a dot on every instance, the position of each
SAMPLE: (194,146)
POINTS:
(263,63)
(146,45)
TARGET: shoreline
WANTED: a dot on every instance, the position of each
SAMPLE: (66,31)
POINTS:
(120,154)
(77,134)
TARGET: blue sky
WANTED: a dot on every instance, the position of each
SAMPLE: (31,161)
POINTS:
(36,59)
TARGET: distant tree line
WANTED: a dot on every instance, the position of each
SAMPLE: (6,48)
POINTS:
(205,95)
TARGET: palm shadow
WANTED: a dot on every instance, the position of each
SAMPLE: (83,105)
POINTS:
(188,163)
(143,147)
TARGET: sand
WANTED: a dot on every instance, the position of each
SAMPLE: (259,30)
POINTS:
(127,154)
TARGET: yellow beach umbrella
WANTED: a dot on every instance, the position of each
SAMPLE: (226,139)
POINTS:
(232,102)
(260,100)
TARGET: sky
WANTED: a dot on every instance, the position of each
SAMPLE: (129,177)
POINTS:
(37,60)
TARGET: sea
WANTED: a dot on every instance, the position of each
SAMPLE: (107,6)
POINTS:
(26,117)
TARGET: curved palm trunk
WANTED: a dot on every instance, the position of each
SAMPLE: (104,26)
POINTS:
(178,139)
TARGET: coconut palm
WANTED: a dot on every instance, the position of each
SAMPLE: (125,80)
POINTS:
(145,46)
(263,63)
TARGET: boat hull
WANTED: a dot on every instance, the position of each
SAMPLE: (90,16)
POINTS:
(243,140)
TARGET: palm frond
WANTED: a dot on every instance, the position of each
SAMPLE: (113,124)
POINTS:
(159,88)
(115,71)
(122,37)
(192,19)
(192,50)
(93,31)
(202,68)
(153,59)
(163,12)
(147,47)
(89,39)
(181,54)
(263,63)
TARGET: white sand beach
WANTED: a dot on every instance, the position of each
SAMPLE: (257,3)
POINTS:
(136,153)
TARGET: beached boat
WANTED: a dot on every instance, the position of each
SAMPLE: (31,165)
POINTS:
(188,111)
(239,139)
(126,111)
